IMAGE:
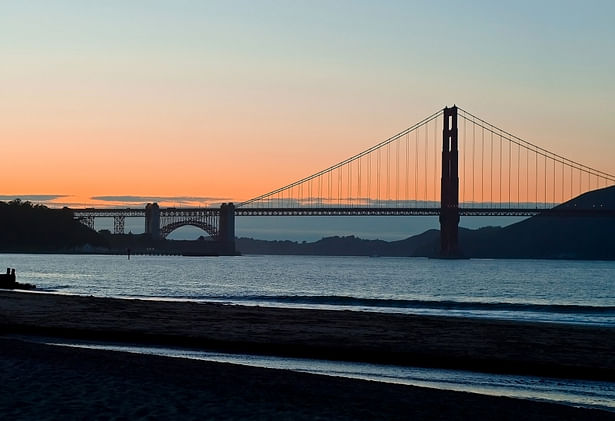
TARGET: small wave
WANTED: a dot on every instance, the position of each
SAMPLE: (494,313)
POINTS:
(54,287)
(50,288)
(334,300)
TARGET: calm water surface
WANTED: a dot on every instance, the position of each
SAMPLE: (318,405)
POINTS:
(541,290)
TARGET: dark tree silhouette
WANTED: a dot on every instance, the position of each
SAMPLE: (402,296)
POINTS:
(29,227)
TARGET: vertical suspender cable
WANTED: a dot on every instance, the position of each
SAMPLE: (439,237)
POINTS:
(473,158)
(329,190)
(527,176)
(589,180)
(501,171)
(491,170)
(426,157)
(536,155)
(580,181)
(416,166)
(563,181)
(388,198)
(407,195)
(369,178)
(463,182)
(545,205)
(378,176)
(554,186)
(518,174)
(359,181)
(571,182)
(509,169)
(435,160)
(339,199)
(397,173)
(482,169)
(349,187)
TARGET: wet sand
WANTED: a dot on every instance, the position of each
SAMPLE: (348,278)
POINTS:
(37,378)
(45,382)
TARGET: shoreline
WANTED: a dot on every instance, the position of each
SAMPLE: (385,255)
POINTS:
(240,253)
(486,345)
(51,382)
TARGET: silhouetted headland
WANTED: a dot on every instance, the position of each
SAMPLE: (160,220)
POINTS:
(30,228)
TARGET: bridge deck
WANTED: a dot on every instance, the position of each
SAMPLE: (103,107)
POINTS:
(352,211)
(399,211)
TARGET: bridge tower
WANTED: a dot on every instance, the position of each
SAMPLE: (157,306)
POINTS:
(449,193)
(152,220)
(226,226)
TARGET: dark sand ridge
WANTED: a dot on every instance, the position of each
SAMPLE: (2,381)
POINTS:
(479,344)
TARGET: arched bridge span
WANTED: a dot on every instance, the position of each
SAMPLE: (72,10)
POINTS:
(219,223)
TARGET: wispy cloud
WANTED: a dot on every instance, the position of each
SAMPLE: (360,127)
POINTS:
(177,200)
(38,198)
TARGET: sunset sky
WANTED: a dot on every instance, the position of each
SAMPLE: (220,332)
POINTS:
(199,102)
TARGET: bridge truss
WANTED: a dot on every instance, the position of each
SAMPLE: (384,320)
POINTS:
(206,219)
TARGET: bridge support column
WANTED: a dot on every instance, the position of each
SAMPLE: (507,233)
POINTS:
(152,220)
(118,224)
(226,226)
(449,193)
(88,221)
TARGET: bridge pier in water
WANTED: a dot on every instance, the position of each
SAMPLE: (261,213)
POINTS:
(152,220)
(449,193)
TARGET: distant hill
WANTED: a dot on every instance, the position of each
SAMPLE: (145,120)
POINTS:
(25,227)
(551,236)
(558,237)
(343,246)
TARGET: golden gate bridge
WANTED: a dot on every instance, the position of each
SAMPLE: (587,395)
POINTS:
(450,164)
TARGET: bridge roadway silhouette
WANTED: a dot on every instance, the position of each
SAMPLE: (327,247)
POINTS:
(219,222)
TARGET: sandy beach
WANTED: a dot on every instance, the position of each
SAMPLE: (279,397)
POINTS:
(39,380)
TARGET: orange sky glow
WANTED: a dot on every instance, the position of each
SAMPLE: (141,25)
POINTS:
(194,105)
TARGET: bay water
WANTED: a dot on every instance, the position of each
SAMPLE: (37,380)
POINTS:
(566,291)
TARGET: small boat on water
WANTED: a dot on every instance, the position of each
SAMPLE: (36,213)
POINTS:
(8,281)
